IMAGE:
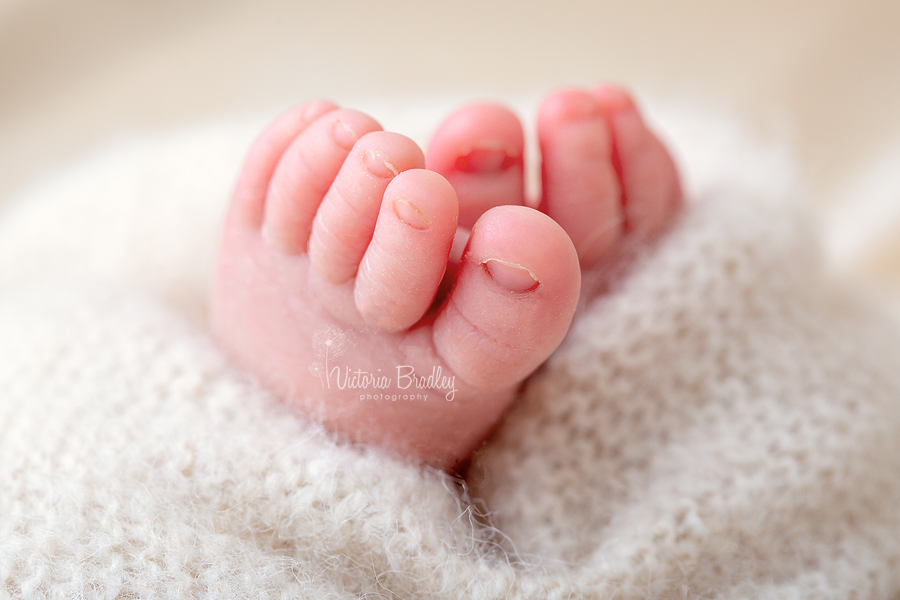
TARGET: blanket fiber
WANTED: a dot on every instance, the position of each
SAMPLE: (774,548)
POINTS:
(721,423)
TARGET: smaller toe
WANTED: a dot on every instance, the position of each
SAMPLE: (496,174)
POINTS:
(580,187)
(404,263)
(253,183)
(305,172)
(651,190)
(346,217)
(513,301)
(479,149)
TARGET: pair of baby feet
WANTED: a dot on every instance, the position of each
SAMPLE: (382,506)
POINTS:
(400,298)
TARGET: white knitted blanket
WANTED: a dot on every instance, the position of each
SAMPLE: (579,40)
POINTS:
(724,423)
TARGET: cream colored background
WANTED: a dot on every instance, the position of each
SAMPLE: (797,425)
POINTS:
(74,76)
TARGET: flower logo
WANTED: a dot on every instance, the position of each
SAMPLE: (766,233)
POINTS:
(328,342)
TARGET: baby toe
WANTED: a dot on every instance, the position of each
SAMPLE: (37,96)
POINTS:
(248,201)
(479,149)
(305,172)
(651,190)
(345,220)
(580,188)
(406,259)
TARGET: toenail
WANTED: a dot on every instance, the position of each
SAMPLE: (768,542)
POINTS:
(579,107)
(312,110)
(378,163)
(343,134)
(613,99)
(487,158)
(509,275)
(410,214)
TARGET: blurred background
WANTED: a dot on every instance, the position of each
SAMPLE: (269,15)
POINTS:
(74,76)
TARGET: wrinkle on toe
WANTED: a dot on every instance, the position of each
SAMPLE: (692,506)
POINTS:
(489,344)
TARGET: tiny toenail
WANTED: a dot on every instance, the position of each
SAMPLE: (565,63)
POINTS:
(487,158)
(410,214)
(510,276)
(343,134)
(580,107)
(378,164)
(614,99)
(308,110)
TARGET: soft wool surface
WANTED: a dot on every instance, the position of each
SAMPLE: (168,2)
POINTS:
(722,423)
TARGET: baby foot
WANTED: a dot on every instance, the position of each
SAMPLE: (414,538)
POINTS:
(329,287)
(606,178)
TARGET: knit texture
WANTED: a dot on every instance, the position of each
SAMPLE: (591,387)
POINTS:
(721,423)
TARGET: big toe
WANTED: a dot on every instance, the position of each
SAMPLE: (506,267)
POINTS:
(479,149)
(513,301)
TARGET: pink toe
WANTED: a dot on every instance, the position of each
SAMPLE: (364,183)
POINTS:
(406,259)
(304,174)
(262,159)
(581,189)
(343,225)
(479,149)
(651,189)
